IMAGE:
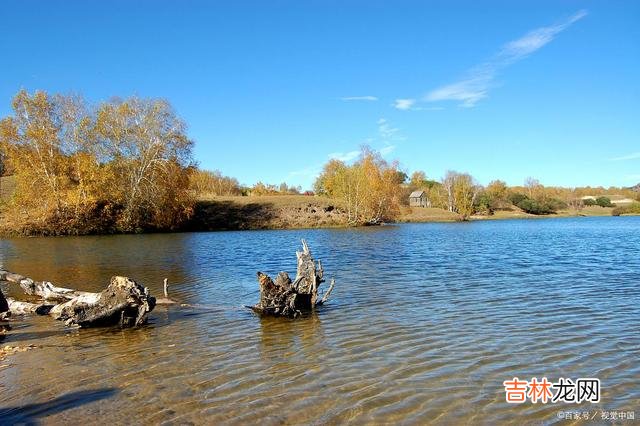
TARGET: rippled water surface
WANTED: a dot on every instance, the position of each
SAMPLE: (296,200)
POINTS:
(425,324)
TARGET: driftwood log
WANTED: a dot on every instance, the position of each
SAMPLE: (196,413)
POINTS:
(124,302)
(4,307)
(288,298)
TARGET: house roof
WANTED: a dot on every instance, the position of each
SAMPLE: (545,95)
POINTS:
(416,194)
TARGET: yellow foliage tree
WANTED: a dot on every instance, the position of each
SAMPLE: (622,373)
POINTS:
(367,189)
(124,166)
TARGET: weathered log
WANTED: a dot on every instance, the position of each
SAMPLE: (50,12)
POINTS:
(20,308)
(286,298)
(43,289)
(48,291)
(4,307)
(124,302)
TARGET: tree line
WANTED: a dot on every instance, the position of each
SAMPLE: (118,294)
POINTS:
(206,183)
(373,190)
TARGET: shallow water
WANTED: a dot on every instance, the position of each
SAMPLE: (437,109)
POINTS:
(425,323)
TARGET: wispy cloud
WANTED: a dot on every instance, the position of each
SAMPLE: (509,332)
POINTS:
(389,136)
(410,105)
(387,150)
(632,156)
(404,104)
(479,80)
(385,130)
(385,142)
(536,39)
(345,157)
(307,172)
(359,98)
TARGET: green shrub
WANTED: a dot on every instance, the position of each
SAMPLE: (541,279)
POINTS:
(516,198)
(541,207)
(484,204)
(589,202)
(556,204)
(604,202)
(533,207)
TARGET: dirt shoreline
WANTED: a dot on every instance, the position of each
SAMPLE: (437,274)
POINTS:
(312,212)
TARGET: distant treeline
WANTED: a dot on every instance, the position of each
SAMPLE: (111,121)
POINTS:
(206,183)
(372,190)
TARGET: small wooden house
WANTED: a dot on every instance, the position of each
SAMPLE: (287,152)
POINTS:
(419,199)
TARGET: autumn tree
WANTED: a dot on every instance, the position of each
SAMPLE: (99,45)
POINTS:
(460,192)
(368,189)
(497,190)
(418,179)
(143,141)
(123,166)
(205,182)
(448,183)
(533,186)
(31,139)
(326,181)
(83,155)
(465,192)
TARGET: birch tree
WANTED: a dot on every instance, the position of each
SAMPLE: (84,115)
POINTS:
(144,141)
(31,138)
(368,190)
(461,192)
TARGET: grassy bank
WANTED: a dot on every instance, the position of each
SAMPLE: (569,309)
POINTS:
(265,212)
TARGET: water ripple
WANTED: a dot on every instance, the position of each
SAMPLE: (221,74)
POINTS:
(426,322)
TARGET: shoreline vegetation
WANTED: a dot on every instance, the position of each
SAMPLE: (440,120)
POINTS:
(126,166)
(263,212)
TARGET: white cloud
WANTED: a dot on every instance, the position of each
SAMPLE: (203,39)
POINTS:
(387,150)
(359,98)
(632,156)
(475,87)
(404,104)
(537,38)
(468,91)
(385,142)
(387,134)
(345,157)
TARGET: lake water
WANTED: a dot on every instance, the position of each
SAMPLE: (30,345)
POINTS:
(425,323)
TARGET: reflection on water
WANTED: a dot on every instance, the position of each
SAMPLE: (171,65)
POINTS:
(426,322)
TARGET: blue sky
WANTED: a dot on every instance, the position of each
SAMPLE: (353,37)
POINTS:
(272,89)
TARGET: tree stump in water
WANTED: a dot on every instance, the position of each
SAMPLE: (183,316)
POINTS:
(286,298)
(124,302)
